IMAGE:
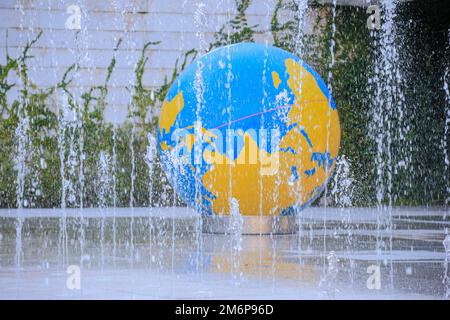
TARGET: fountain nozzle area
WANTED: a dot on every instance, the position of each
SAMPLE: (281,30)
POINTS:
(250,225)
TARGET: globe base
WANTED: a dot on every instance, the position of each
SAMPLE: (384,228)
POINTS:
(250,225)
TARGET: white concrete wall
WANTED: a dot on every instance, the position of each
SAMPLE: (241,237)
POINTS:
(176,23)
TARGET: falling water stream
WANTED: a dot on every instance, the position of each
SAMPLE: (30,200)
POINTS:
(20,165)
(200,23)
(386,104)
(445,140)
(331,270)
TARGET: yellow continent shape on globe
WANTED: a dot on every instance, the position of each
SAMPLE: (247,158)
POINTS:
(256,190)
(276,79)
(169,112)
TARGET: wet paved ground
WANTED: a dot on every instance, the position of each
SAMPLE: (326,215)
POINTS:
(161,254)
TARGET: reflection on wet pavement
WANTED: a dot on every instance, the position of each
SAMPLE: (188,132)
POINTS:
(159,253)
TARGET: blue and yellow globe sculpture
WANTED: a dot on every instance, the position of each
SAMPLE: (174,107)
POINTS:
(248,125)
